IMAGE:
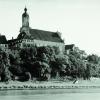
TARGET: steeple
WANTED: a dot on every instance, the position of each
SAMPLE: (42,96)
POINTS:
(25,22)
(25,18)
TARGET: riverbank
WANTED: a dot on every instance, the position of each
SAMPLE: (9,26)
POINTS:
(16,85)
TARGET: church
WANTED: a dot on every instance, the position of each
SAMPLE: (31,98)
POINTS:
(29,37)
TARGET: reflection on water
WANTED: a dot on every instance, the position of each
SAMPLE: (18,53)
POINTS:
(51,94)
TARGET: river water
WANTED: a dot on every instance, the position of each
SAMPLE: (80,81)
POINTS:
(51,94)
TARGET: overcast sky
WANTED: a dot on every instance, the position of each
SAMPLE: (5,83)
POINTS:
(77,20)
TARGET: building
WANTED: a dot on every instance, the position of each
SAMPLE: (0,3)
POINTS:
(72,48)
(29,37)
(3,43)
(69,48)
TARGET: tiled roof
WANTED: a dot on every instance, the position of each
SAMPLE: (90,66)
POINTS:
(69,46)
(13,40)
(3,39)
(42,35)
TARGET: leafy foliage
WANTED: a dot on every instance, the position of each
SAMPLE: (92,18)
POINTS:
(44,63)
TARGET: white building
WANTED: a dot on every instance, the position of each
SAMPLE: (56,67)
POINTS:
(29,37)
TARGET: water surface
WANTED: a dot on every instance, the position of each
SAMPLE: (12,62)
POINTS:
(51,94)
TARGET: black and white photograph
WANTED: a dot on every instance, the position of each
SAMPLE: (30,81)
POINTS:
(49,50)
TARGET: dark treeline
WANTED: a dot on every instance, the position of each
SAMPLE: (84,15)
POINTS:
(45,63)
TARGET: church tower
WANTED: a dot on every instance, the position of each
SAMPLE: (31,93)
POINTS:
(25,22)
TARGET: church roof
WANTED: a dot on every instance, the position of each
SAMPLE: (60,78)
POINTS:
(42,35)
(3,39)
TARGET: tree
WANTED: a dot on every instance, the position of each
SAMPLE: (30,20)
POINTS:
(58,66)
(77,63)
(41,70)
(94,65)
(93,59)
(28,54)
(4,65)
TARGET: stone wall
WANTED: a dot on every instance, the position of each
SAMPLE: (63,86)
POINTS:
(29,43)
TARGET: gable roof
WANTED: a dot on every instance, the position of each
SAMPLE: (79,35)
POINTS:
(41,35)
(3,39)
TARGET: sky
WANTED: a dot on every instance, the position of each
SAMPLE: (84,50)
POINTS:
(77,20)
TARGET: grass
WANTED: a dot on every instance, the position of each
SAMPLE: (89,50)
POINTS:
(93,83)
